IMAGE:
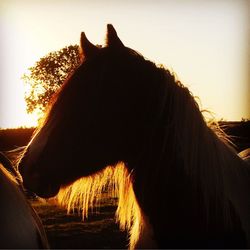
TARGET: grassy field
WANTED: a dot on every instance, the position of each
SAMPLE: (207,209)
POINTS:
(69,231)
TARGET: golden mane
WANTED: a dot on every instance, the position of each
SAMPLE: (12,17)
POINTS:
(87,192)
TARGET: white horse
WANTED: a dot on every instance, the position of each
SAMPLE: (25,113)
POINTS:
(20,226)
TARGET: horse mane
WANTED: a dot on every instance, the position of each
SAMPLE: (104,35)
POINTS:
(210,160)
(112,182)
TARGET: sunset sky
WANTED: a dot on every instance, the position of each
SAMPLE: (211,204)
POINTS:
(204,42)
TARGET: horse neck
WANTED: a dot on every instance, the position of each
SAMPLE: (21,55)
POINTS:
(204,161)
(210,162)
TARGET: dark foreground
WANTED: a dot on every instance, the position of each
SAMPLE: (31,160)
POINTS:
(69,231)
(99,230)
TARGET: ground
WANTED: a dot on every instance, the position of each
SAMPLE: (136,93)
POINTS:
(69,231)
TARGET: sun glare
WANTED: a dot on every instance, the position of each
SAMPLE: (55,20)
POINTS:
(15,115)
(12,104)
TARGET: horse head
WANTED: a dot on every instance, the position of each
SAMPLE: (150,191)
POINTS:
(102,115)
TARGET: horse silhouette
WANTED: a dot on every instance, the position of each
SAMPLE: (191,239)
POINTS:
(128,126)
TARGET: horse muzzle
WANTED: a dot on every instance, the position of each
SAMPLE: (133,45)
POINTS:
(40,185)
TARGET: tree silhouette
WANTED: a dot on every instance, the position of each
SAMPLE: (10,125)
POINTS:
(47,75)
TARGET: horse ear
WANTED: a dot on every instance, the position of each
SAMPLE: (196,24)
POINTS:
(87,49)
(112,39)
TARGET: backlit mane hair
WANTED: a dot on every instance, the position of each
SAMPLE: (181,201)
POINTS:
(209,161)
(112,182)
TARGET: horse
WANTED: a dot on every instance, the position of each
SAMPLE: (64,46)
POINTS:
(123,124)
(20,226)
